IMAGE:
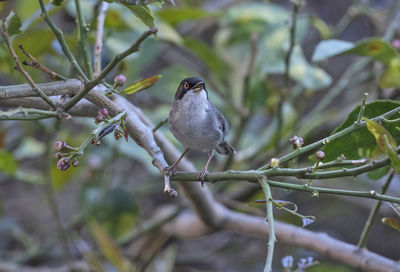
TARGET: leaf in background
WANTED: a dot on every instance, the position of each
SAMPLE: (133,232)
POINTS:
(176,15)
(391,222)
(391,76)
(14,24)
(362,142)
(141,85)
(143,13)
(375,48)
(7,162)
(109,248)
(395,207)
(378,173)
(385,141)
(321,26)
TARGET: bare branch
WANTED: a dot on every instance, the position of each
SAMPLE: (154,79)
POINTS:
(99,38)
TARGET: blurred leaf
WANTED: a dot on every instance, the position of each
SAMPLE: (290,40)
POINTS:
(109,248)
(29,147)
(7,162)
(208,55)
(395,207)
(378,173)
(14,24)
(143,13)
(56,2)
(177,15)
(362,142)
(385,141)
(391,222)
(167,33)
(141,85)
(375,48)
(29,176)
(115,20)
(391,76)
(321,26)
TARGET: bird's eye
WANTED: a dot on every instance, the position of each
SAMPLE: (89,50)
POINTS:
(186,85)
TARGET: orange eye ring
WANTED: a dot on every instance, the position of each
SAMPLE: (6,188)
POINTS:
(186,85)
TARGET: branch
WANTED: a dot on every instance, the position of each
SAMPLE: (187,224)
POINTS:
(39,92)
(63,43)
(99,38)
(83,39)
(134,48)
(27,114)
(270,220)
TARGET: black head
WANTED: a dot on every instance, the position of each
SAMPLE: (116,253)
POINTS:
(189,83)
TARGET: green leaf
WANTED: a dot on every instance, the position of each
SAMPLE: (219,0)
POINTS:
(177,15)
(143,13)
(8,164)
(375,48)
(385,141)
(109,248)
(361,143)
(14,24)
(391,222)
(391,76)
(321,26)
(141,85)
(378,173)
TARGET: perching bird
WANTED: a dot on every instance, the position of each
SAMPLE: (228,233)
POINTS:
(197,123)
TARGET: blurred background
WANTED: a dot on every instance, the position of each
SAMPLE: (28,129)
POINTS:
(239,48)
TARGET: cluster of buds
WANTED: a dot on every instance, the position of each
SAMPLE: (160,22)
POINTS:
(296,142)
(274,162)
(119,128)
(66,155)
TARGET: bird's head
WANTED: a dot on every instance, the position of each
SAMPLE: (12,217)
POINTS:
(191,85)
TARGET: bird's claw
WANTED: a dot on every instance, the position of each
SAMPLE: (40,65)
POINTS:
(201,177)
(169,170)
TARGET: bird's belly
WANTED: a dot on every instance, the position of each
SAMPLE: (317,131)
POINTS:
(194,132)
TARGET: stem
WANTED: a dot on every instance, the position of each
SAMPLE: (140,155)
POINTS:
(270,219)
(27,114)
(134,48)
(83,40)
(99,38)
(160,124)
(374,212)
(39,92)
(362,108)
(60,37)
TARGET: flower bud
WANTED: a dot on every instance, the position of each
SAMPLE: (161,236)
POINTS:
(119,80)
(59,145)
(296,142)
(320,155)
(287,262)
(58,155)
(274,162)
(75,163)
(396,44)
(63,164)
(103,112)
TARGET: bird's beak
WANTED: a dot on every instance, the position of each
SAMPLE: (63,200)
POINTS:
(198,87)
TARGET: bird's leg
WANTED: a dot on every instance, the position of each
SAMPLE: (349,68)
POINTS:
(203,172)
(171,168)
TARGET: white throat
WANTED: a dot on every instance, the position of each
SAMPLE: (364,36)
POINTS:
(195,103)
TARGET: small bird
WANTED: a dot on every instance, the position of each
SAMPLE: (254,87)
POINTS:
(197,123)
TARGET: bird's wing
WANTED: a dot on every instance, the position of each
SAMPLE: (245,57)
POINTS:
(223,124)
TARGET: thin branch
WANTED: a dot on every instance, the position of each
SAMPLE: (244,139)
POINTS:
(160,124)
(63,43)
(362,108)
(41,67)
(270,220)
(83,40)
(99,38)
(132,49)
(27,114)
(39,92)
(374,212)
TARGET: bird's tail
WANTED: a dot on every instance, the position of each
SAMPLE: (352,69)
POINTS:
(225,148)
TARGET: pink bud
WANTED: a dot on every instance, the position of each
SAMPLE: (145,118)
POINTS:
(120,80)
(320,155)
(75,163)
(103,112)
(296,142)
(58,145)
(396,44)
(63,164)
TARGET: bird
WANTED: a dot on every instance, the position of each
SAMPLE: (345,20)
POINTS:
(196,123)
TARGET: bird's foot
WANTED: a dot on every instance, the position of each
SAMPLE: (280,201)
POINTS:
(169,170)
(201,177)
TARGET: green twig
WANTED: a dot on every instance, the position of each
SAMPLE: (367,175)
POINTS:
(60,37)
(160,124)
(270,218)
(374,212)
(132,49)
(362,108)
(27,114)
(83,40)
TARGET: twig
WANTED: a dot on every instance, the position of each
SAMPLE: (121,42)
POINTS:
(27,114)
(99,38)
(83,40)
(162,122)
(270,220)
(374,212)
(362,108)
(132,49)
(63,43)
(41,67)
(19,67)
